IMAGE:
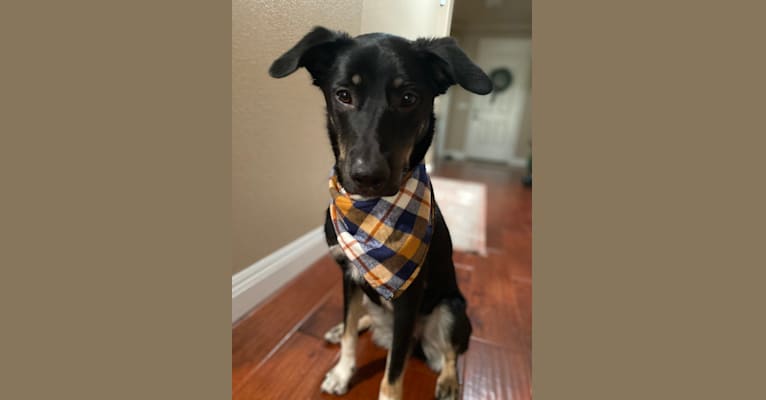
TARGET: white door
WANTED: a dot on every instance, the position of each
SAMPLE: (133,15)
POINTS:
(495,119)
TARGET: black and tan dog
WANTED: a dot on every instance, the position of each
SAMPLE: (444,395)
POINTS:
(379,91)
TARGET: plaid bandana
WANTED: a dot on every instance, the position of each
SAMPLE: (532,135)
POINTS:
(386,238)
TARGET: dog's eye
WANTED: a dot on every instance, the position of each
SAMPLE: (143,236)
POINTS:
(343,96)
(409,100)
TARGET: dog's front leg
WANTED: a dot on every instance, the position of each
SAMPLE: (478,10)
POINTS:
(405,316)
(337,379)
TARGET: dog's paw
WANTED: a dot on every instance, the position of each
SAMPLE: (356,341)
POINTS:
(447,389)
(334,334)
(336,381)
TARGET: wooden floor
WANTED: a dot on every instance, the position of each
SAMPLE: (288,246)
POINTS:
(278,351)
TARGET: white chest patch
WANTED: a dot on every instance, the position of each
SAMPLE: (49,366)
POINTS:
(356,276)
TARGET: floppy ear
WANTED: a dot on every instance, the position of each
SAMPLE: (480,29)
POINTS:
(315,52)
(451,66)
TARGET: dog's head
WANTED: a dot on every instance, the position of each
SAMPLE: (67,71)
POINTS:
(379,91)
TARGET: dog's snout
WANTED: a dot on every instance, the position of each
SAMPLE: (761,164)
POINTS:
(368,173)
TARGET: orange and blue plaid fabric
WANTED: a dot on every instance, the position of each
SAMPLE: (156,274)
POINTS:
(386,238)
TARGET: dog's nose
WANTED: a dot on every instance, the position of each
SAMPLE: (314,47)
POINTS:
(368,174)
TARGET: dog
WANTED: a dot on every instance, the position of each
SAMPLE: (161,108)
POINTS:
(379,91)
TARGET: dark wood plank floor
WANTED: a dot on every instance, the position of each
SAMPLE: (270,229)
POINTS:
(278,351)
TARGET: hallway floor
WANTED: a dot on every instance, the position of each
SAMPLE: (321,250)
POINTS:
(278,351)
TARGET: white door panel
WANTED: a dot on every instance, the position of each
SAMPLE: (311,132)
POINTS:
(495,119)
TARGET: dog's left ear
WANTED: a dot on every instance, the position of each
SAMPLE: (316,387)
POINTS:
(451,66)
(315,51)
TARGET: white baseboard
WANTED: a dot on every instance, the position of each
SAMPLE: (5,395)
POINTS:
(460,156)
(517,162)
(455,154)
(255,283)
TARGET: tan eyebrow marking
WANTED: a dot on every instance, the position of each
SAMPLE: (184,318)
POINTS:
(356,79)
(398,82)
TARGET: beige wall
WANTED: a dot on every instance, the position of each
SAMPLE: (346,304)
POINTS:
(458,118)
(280,152)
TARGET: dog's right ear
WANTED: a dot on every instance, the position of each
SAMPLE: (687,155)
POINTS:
(316,52)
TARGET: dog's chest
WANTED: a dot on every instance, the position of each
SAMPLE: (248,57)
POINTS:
(348,268)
